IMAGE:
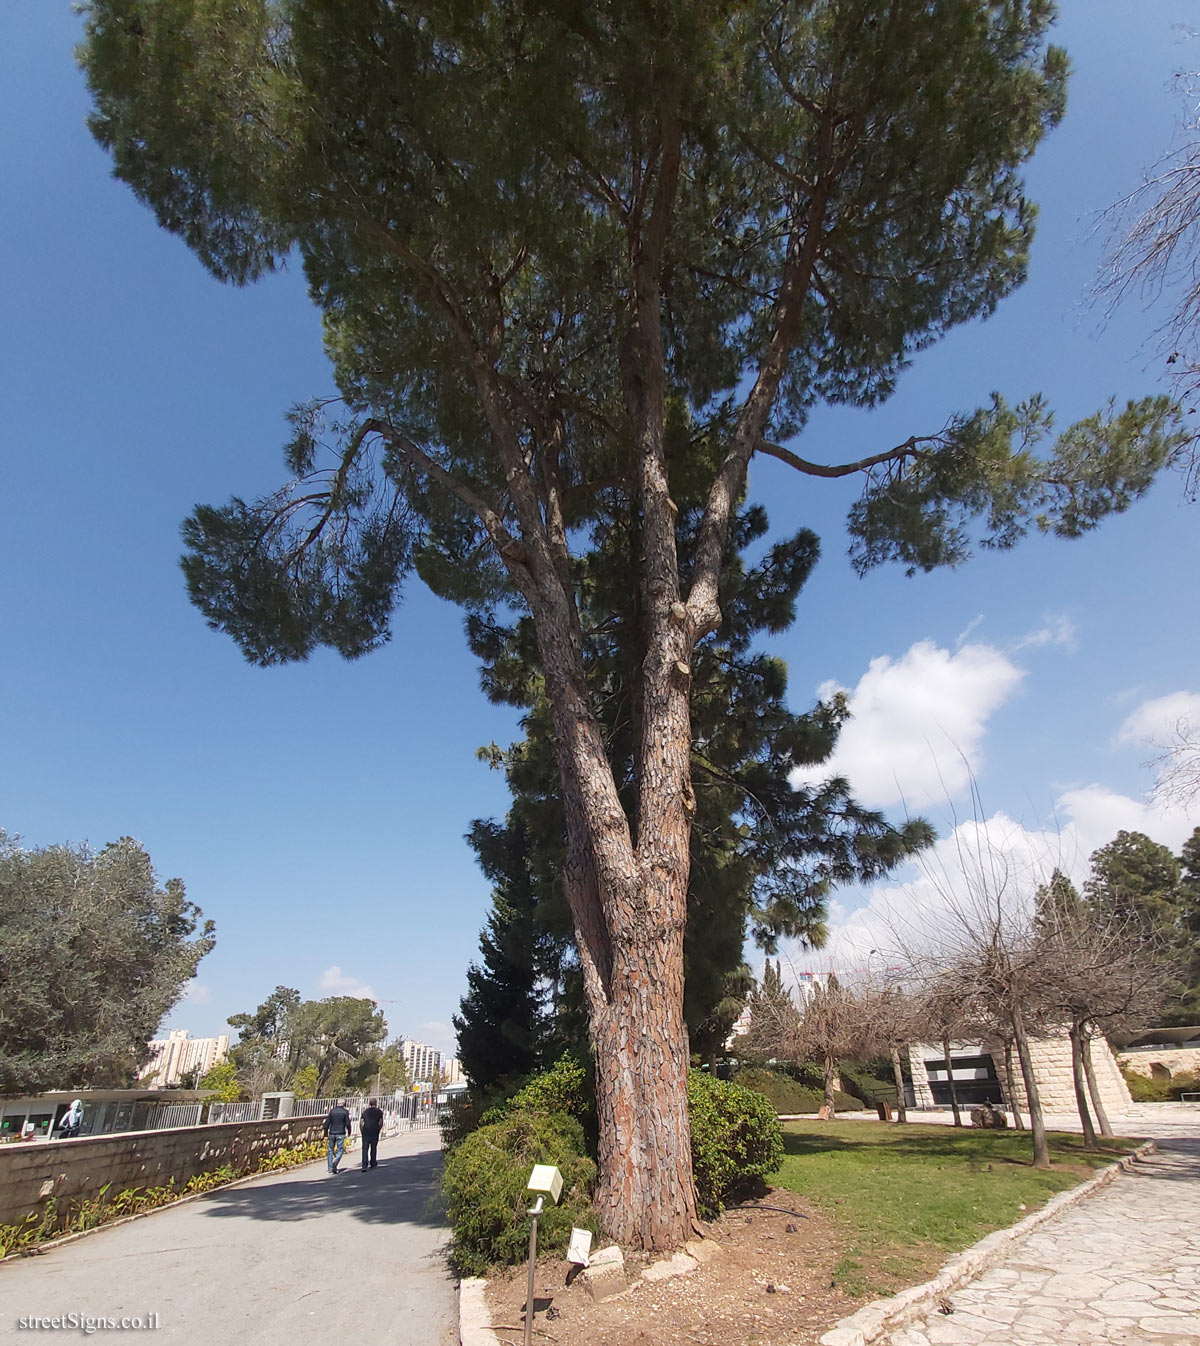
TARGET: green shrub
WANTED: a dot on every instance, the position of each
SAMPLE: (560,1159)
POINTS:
(870,1082)
(788,1095)
(736,1140)
(484,1184)
(1143,1089)
(565,1087)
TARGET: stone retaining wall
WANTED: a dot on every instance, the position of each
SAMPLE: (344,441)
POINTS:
(1172,1059)
(1055,1081)
(68,1170)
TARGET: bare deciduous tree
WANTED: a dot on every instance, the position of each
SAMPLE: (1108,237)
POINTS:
(1155,252)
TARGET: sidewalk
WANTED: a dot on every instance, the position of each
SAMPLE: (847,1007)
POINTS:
(286,1260)
(1120,1268)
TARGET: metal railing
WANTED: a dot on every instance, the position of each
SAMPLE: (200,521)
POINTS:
(234,1112)
(174,1114)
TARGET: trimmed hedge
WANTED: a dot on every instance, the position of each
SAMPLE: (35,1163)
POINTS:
(736,1140)
(484,1182)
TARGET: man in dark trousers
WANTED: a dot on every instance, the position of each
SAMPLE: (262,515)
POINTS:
(337,1128)
(371,1124)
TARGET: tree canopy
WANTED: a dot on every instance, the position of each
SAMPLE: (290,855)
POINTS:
(333,1043)
(94,951)
(548,244)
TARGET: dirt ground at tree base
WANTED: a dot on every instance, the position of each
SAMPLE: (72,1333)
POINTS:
(770,1282)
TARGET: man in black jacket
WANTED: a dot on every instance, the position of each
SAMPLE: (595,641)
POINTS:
(370,1124)
(337,1128)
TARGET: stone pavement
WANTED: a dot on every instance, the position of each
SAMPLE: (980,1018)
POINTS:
(285,1260)
(1121,1267)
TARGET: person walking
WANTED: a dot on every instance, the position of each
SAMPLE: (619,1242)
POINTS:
(71,1120)
(337,1128)
(370,1124)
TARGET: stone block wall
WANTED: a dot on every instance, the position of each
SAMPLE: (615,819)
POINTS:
(71,1170)
(1052,1070)
(1176,1060)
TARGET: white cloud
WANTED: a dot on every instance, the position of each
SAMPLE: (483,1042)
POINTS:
(917,723)
(438,1035)
(1058,630)
(335,982)
(980,856)
(197,993)
(1154,722)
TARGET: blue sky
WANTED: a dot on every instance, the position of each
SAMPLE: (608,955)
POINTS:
(316,812)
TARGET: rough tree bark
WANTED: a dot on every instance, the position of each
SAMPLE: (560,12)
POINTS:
(1094,1088)
(898,1072)
(1037,1124)
(950,1082)
(1010,1085)
(1081,1103)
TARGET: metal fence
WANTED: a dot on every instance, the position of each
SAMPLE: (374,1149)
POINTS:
(174,1114)
(234,1112)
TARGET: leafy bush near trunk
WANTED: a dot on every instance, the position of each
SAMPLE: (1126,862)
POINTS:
(736,1140)
(484,1184)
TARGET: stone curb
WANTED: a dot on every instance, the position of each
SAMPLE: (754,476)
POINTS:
(474,1321)
(888,1315)
(39,1248)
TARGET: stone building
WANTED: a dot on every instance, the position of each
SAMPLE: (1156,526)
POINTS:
(978,1070)
(1162,1053)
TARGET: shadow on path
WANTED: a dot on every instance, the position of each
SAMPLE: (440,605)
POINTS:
(403,1190)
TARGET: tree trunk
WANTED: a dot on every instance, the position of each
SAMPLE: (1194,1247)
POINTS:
(645,1197)
(1037,1124)
(1093,1088)
(829,1100)
(1010,1083)
(1085,1117)
(898,1072)
(950,1082)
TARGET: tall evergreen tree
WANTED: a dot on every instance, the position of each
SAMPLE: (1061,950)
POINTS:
(764,854)
(500,1024)
(1136,878)
(535,233)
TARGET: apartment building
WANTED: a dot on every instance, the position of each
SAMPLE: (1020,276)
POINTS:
(178,1053)
(423,1063)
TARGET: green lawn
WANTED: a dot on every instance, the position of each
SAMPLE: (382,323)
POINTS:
(909,1197)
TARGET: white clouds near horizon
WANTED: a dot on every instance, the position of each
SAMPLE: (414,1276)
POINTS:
(335,982)
(981,856)
(917,723)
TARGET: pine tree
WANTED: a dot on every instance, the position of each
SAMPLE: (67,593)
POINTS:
(536,234)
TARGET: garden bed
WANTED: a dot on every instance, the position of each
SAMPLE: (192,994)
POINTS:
(869,1209)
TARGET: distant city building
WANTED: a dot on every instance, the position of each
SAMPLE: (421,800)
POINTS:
(452,1071)
(178,1053)
(423,1063)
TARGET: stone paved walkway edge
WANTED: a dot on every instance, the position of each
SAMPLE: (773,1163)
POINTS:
(870,1322)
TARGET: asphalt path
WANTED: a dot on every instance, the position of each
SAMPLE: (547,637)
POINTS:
(287,1259)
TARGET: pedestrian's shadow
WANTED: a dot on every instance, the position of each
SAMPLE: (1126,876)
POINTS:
(404,1189)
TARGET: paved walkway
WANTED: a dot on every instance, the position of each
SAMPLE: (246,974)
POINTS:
(286,1260)
(1120,1268)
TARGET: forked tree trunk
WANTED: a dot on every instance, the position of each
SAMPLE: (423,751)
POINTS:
(1037,1124)
(1081,1104)
(950,1082)
(1093,1088)
(898,1072)
(1010,1083)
